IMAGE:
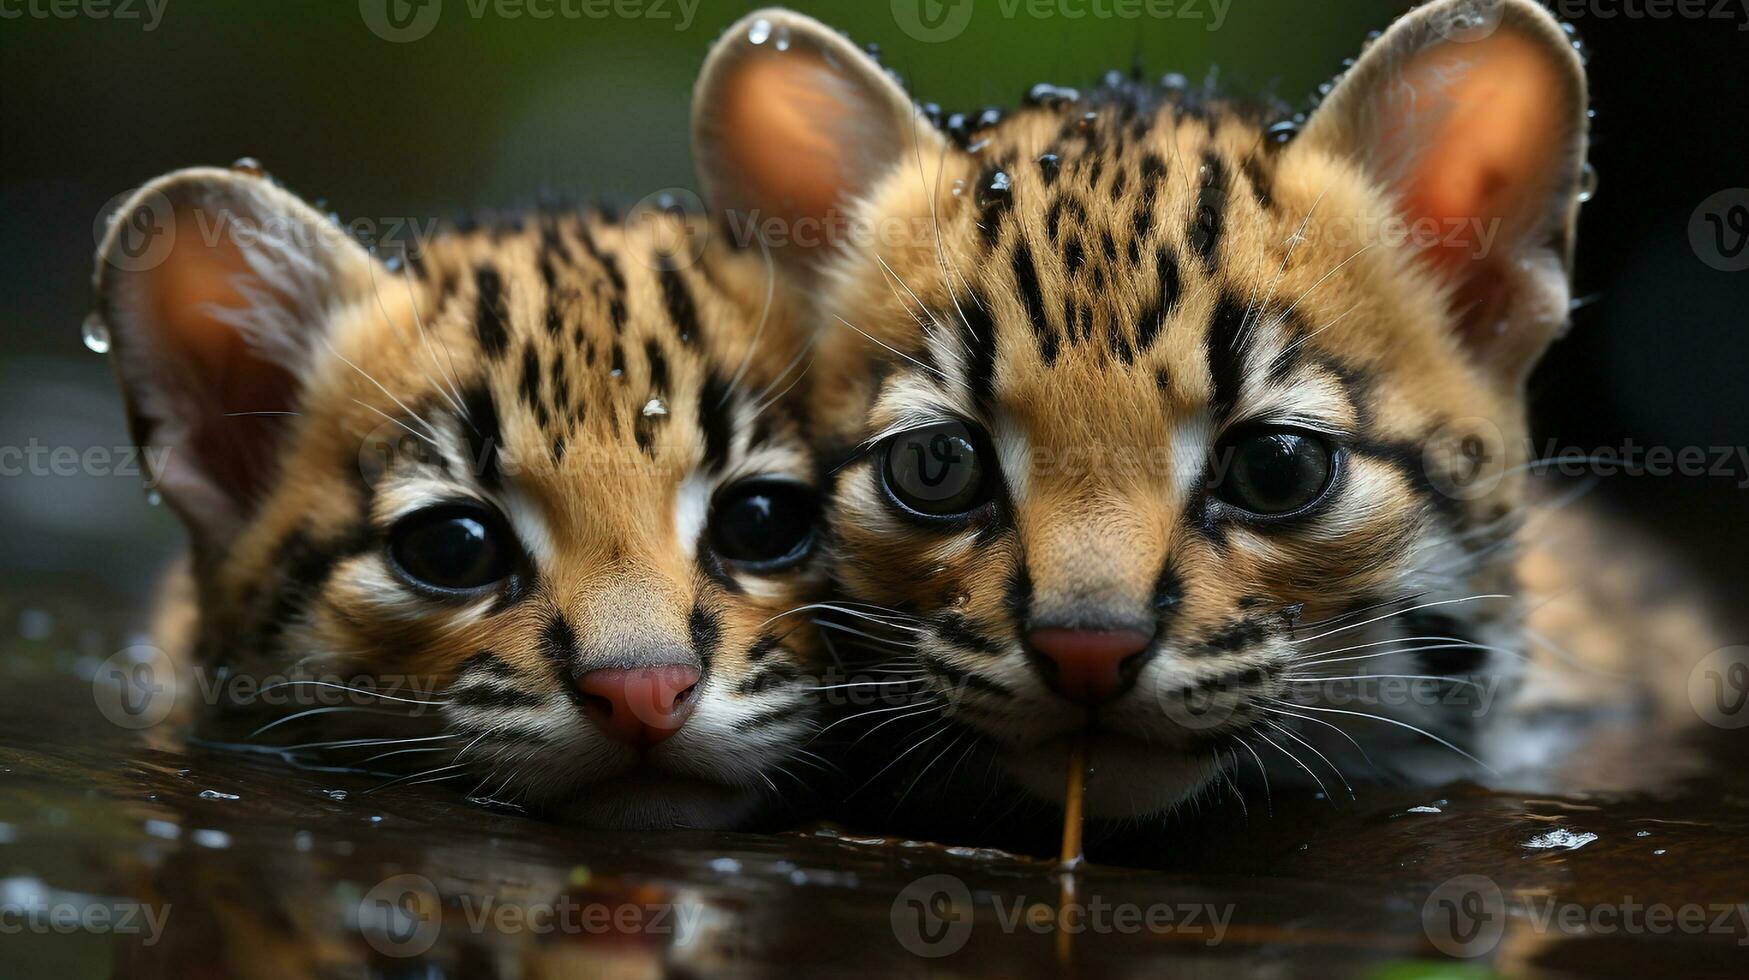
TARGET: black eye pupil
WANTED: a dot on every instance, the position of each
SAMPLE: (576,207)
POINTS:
(766,524)
(450,548)
(936,470)
(1276,473)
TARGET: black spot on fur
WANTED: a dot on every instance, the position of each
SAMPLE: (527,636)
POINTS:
(482,433)
(1073,255)
(1154,315)
(608,263)
(558,643)
(677,298)
(1227,345)
(491,317)
(1210,214)
(530,388)
(658,366)
(1026,278)
(707,634)
(978,335)
(715,408)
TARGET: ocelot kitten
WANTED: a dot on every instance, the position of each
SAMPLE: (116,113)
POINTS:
(1189,428)
(520,514)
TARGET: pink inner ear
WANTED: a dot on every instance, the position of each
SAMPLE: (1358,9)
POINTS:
(780,116)
(215,370)
(1482,120)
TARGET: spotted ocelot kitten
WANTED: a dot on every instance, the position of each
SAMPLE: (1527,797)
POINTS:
(1191,429)
(521,513)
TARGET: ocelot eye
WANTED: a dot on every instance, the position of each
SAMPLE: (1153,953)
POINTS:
(452,547)
(938,470)
(1275,472)
(765,525)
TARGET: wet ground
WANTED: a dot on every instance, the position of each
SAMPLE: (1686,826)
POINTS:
(136,854)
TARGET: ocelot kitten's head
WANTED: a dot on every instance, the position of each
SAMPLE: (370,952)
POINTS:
(535,483)
(1147,397)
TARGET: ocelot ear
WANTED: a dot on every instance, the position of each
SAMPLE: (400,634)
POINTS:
(791,125)
(1473,114)
(217,288)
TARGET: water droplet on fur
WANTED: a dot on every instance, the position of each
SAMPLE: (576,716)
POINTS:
(95,333)
(989,117)
(213,794)
(1046,94)
(1049,164)
(248,165)
(760,32)
(1587,183)
(977,147)
(392,263)
(959,187)
(1088,121)
(932,112)
(780,40)
(1283,131)
(959,128)
(654,407)
(1174,82)
(873,50)
(154,498)
(997,188)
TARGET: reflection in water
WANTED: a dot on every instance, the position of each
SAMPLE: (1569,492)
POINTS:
(128,851)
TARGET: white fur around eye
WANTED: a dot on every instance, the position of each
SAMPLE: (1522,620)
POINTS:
(692,509)
(1192,441)
(530,524)
(1013,453)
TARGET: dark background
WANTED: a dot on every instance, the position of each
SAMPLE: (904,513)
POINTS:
(491,111)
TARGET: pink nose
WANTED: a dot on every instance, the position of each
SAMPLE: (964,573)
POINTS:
(639,707)
(1087,660)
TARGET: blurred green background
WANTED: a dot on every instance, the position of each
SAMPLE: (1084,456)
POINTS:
(495,109)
